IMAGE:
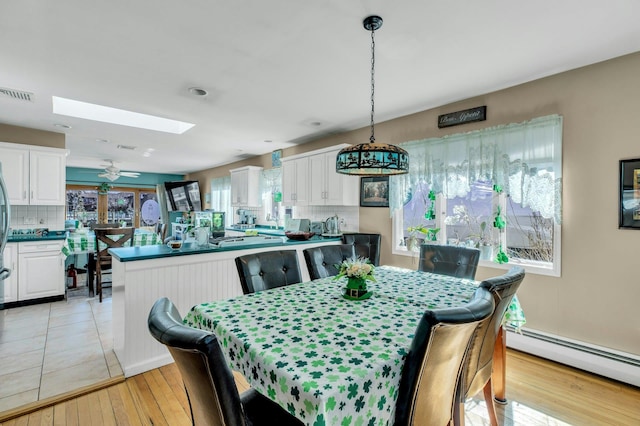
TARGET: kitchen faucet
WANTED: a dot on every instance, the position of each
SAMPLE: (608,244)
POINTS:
(275,219)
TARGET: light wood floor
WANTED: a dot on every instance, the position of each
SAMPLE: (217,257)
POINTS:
(540,392)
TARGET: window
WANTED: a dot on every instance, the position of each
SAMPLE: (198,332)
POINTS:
(221,198)
(497,189)
(137,207)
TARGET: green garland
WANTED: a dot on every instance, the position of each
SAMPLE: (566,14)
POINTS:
(500,223)
(430,214)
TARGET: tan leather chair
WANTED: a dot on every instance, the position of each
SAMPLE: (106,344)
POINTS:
(107,238)
(431,374)
(479,363)
(211,391)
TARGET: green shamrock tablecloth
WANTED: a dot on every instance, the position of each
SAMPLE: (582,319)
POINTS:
(86,242)
(325,359)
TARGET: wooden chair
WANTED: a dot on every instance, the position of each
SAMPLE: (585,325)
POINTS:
(430,381)
(324,261)
(269,269)
(477,375)
(211,391)
(93,226)
(107,238)
(459,262)
(366,245)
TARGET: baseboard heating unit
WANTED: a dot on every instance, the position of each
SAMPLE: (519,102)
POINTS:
(606,362)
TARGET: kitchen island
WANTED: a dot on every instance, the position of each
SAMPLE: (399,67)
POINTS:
(188,276)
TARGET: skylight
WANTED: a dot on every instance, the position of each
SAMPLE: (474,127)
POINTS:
(122,117)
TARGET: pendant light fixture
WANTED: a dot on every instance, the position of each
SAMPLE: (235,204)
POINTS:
(372,158)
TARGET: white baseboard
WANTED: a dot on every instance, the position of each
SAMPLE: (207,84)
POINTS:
(147,365)
(606,362)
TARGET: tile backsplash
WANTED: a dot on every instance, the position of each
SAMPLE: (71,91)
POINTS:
(349,215)
(27,217)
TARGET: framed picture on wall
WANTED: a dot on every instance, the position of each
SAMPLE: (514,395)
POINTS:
(374,191)
(629,204)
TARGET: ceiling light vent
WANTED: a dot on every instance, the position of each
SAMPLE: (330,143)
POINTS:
(17,94)
(129,147)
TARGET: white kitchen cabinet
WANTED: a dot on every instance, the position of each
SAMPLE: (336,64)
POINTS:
(10,260)
(295,181)
(329,188)
(40,269)
(245,186)
(34,175)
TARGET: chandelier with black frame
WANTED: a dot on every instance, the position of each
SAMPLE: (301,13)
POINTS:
(372,158)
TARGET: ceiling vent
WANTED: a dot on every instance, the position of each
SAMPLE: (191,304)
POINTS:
(17,94)
(129,147)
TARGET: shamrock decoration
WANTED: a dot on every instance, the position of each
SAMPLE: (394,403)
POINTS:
(498,221)
(430,214)
(501,257)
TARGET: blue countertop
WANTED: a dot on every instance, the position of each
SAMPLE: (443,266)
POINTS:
(262,230)
(26,238)
(130,254)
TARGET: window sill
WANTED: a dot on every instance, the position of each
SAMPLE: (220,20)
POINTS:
(537,268)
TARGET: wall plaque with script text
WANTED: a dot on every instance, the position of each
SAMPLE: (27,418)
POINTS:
(462,117)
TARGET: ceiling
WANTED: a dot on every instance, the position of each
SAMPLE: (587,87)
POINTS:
(283,71)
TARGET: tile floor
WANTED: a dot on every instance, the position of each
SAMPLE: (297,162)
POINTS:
(53,348)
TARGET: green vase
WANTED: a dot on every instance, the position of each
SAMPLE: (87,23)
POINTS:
(356,289)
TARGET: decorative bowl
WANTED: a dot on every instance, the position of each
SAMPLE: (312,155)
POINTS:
(299,236)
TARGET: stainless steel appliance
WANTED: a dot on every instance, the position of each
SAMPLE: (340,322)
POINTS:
(246,217)
(5,213)
(297,225)
(332,225)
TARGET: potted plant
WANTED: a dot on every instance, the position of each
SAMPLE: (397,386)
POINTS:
(413,242)
(484,245)
(358,271)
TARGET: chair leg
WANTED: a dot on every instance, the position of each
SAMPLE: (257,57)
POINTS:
(488,399)
(99,283)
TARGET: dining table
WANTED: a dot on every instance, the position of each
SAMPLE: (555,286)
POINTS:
(326,359)
(84,242)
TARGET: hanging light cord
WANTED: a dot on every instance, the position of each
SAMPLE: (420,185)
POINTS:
(372,139)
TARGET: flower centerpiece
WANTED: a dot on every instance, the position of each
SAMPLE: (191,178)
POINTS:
(358,271)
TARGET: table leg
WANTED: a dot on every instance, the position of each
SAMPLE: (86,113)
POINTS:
(499,373)
(91,266)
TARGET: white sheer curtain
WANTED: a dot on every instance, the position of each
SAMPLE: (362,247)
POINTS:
(525,159)
(221,197)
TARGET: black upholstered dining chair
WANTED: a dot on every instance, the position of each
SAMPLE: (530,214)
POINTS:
(269,269)
(432,369)
(208,381)
(324,261)
(479,364)
(459,262)
(366,245)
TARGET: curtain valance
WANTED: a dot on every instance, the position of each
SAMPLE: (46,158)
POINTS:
(525,159)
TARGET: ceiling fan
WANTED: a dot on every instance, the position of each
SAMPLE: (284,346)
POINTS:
(112,173)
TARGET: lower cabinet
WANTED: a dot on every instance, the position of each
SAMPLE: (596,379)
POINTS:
(10,261)
(40,270)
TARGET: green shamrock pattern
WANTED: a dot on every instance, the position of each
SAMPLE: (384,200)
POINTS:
(325,359)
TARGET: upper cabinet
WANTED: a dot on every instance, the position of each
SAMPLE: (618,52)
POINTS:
(329,188)
(34,175)
(295,181)
(245,186)
(311,179)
